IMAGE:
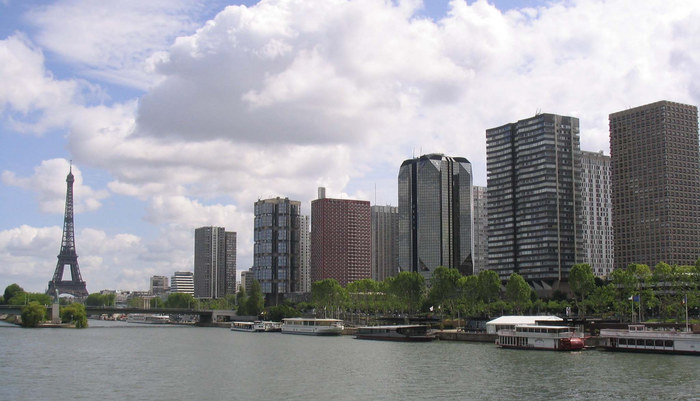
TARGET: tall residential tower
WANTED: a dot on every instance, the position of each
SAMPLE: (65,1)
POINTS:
(656,184)
(214,262)
(596,213)
(385,242)
(534,205)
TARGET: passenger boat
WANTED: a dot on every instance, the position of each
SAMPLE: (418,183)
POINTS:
(243,326)
(256,326)
(147,318)
(531,336)
(639,338)
(414,332)
(312,326)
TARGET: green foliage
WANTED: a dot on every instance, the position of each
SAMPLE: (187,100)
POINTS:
(32,314)
(408,288)
(256,301)
(582,283)
(180,300)
(444,289)
(489,286)
(23,298)
(97,299)
(74,313)
(156,302)
(279,312)
(242,302)
(518,292)
(10,291)
(328,294)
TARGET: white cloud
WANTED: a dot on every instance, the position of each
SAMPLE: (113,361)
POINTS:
(279,98)
(49,184)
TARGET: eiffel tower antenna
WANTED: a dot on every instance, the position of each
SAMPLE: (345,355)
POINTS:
(68,256)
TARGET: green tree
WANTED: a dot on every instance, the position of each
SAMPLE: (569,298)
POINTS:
(469,301)
(518,292)
(279,312)
(23,298)
(242,302)
(409,289)
(443,288)
(32,314)
(74,313)
(489,286)
(156,302)
(10,291)
(256,301)
(602,299)
(328,294)
(582,283)
(179,300)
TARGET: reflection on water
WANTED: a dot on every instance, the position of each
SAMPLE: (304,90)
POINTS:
(118,361)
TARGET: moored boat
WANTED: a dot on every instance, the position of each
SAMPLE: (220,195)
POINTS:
(530,336)
(243,326)
(147,318)
(639,338)
(413,332)
(312,326)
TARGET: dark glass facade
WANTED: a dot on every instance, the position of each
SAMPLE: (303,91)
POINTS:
(214,262)
(435,214)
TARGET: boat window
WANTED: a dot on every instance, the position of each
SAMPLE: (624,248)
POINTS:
(649,343)
(668,343)
(640,342)
(622,341)
(659,343)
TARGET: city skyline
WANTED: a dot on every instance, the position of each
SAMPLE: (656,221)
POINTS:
(331,104)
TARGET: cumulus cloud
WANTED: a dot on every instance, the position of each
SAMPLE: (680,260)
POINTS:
(284,96)
(49,185)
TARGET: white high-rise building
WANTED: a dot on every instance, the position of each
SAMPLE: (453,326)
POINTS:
(304,254)
(182,282)
(596,213)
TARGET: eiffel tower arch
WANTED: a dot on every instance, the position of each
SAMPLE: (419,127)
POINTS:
(68,257)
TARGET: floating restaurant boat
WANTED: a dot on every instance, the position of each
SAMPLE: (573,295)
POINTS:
(147,318)
(531,336)
(413,332)
(312,326)
(256,326)
(639,338)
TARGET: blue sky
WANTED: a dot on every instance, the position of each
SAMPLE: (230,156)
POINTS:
(180,114)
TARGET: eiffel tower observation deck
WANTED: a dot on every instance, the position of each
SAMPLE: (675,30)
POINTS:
(68,257)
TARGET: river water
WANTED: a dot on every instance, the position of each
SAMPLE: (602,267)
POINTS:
(121,361)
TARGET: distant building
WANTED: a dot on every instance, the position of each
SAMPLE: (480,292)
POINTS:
(247,281)
(481,225)
(214,262)
(304,254)
(159,285)
(435,214)
(656,184)
(596,213)
(340,239)
(534,205)
(385,242)
(276,252)
(182,282)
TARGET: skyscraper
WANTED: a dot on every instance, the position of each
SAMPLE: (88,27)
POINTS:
(214,262)
(276,251)
(435,214)
(385,242)
(534,206)
(481,225)
(340,239)
(596,213)
(656,184)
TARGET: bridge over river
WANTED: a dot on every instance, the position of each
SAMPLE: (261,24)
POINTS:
(206,316)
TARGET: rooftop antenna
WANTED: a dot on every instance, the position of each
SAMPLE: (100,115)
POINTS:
(538,112)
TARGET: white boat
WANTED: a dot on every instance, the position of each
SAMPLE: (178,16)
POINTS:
(531,336)
(257,326)
(412,332)
(147,318)
(243,326)
(639,338)
(312,326)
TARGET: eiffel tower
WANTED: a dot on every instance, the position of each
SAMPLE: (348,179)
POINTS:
(68,257)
